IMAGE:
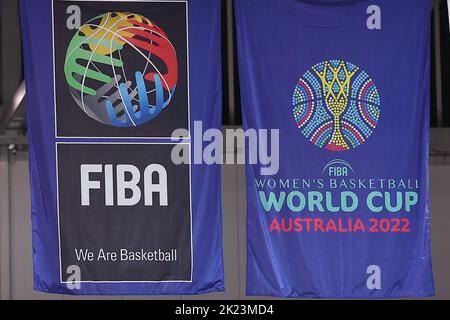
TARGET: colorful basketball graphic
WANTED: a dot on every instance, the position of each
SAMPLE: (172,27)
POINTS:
(121,69)
(336,105)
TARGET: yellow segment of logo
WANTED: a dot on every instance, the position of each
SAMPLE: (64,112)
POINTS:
(110,30)
(336,100)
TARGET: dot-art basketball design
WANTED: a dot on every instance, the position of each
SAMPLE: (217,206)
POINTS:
(336,105)
(121,69)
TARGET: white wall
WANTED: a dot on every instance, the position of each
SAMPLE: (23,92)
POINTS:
(15,231)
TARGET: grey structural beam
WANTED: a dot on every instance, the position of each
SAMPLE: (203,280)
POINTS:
(11,56)
(11,110)
(231,62)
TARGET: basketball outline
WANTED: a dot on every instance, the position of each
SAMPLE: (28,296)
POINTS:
(336,105)
(113,28)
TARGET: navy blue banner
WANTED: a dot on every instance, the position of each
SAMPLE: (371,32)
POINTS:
(347,83)
(107,84)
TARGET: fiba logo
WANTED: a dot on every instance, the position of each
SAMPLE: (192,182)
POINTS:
(121,69)
(336,105)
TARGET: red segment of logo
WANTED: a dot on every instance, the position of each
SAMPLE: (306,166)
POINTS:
(155,41)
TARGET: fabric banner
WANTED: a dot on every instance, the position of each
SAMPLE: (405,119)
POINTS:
(107,84)
(347,84)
